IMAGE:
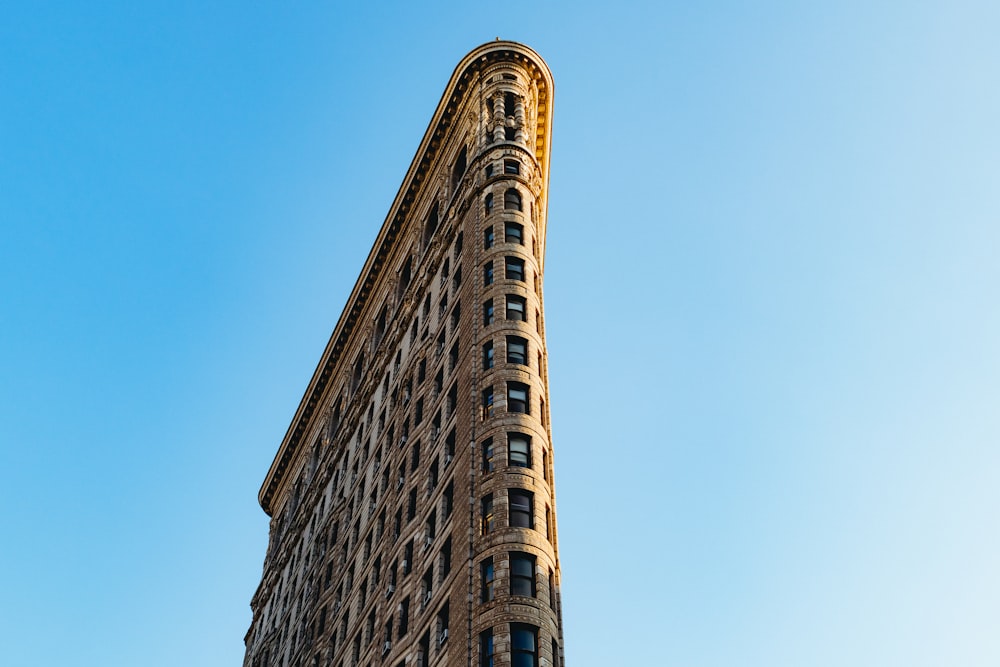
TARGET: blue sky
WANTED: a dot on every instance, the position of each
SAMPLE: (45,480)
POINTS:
(771,296)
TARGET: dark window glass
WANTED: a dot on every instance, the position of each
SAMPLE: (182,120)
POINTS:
(513,233)
(488,455)
(515,308)
(512,199)
(522,574)
(517,397)
(520,508)
(517,350)
(514,268)
(487,514)
(488,355)
(518,450)
(488,238)
(511,167)
(488,273)
(486,649)
(487,403)
(523,645)
(488,204)
(488,313)
(486,577)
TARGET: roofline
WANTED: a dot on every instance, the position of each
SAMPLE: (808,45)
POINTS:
(438,128)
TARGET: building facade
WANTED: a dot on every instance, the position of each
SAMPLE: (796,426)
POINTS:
(412,500)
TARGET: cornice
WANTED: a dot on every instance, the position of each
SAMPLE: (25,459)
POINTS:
(461,83)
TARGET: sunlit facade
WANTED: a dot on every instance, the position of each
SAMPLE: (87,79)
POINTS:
(412,499)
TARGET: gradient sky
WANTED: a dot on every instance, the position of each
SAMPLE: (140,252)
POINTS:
(772,292)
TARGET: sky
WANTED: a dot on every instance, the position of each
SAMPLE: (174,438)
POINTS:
(771,307)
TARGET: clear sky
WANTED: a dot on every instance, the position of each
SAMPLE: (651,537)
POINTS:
(772,312)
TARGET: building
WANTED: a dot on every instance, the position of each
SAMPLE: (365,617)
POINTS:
(412,503)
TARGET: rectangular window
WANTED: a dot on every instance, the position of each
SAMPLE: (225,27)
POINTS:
(518,450)
(511,167)
(522,574)
(486,591)
(448,501)
(486,519)
(488,273)
(411,508)
(488,455)
(445,559)
(486,648)
(517,398)
(520,508)
(487,402)
(442,624)
(513,268)
(487,356)
(515,308)
(404,617)
(488,312)
(517,350)
(523,645)
(488,234)
(513,233)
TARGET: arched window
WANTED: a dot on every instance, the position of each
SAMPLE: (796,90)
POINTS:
(512,199)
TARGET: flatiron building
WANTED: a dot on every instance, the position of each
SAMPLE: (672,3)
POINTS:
(412,499)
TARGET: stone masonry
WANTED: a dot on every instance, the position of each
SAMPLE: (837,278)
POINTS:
(412,500)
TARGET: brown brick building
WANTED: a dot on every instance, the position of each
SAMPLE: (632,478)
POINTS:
(412,501)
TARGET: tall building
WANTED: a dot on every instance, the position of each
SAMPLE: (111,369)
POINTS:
(412,502)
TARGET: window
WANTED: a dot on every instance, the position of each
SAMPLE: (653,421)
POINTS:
(486,648)
(518,450)
(488,205)
(442,623)
(555,654)
(512,199)
(522,574)
(408,558)
(517,350)
(517,398)
(487,514)
(486,591)
(513,233)
(488,312)
(488,238)
(489,170)
(488,273)
(511,167)
(459,169)
(515,308)
(432,224)
(514,268)
(523,645)
(445,559)
(520,510)
(415,456)
(487,402)
(448,501)
(411,508)
(488,355)
(404,617)
(488,455)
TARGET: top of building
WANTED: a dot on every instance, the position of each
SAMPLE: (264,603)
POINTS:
(465,79)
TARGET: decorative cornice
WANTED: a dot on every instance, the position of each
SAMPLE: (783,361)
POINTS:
(458,87)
